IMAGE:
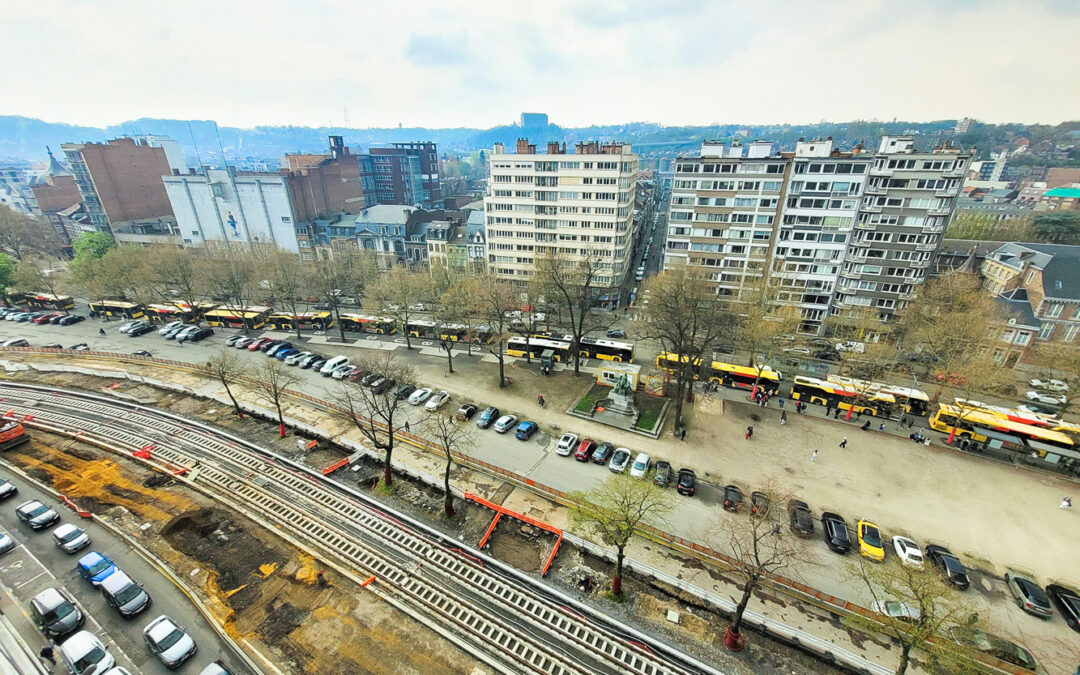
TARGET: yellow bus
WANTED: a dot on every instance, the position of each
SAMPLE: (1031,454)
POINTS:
(911,401)
(362,323)
(251,318)
(516,346)
(1052,422)
(973,423)
(117,308)
(821,392)
(744,377)
(419,328)
(670,362)
(609,350)
(175,311)
(43,300)
(307,320)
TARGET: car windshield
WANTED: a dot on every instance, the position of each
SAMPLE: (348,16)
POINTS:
(170,639)
(59,612)
(70,535)
(128,593)
(871,536)
(88,659)
(952,565)
(639,465)
(914,556)
(38,510)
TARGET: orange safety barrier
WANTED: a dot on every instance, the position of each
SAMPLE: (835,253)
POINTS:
(335,466)
(74,507)
(501,511)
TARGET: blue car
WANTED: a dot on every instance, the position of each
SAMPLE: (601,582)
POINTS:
(525,430)
(95,567)
(277,349)
(281,354)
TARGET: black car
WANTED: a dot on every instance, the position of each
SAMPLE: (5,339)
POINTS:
(197,335)
(404,391)
(800,519)
(949,565)
(687,482)
(271,345)
(662,475)
(1030,597)
(316,364)
(1068,603)
(70,319)
(488,417)
(732,498)
(465,412)
(382,384)
(141,329)
(827,355)
(56,319)
(836,533)
(616,333)
(369,379)
(602,453)
(759,503)
(53,345)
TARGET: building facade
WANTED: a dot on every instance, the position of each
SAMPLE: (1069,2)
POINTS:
(1048,276)
(382,228)
(55,192)
(407,173)
(578,205)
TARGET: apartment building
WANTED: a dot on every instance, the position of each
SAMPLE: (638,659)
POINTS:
(580,205)
(1046,277)
(407,173)
(908,199)
(55,191)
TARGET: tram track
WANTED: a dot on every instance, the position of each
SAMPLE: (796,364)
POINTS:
(509,624)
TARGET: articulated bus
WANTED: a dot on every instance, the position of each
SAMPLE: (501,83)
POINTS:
(911,401)
(118,308)
(609,350)
(975,424)
(176,311)
(363,323)
(670,362)
(1034,419)
(251,318)
(813,390)
(516,346)
(307,320)
(418,328)
(42,300)
(743,377)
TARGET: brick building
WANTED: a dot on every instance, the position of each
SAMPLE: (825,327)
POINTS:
(1049,277)
(55,191)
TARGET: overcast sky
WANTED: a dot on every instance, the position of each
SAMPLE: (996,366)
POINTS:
(478,64)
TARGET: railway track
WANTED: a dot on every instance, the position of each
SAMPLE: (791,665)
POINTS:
(512,625)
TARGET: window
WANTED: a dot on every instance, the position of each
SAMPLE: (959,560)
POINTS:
(1022,338)
(1045,331)
(1054,310)
(1070,332)
(1030,277)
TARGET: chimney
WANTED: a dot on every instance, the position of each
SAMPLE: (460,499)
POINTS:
(553,147)
(522,146)
(498,149)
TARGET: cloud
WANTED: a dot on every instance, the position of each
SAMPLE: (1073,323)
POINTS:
(434,50)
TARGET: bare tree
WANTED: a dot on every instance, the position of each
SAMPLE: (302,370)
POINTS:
(763,322)
(22,236)
(231,275)
(178,273)
(272,381)
(494,300)
(616,508)
(685,318)
(865,350)
(377,415)
(401,293)
(1060,361)
(757,546)
(452,435)
(573,284)
(225,367)
(453,311)
(285,281)
(342,274)
(531,320)
(34,274)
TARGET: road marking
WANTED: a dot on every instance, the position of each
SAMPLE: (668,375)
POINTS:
(33,578)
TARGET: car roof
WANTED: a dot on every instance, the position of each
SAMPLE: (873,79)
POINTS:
(64,528)
(50,597)
(160,627)
(116,581)
(91,558)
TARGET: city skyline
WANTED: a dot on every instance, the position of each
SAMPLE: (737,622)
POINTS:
(582,64)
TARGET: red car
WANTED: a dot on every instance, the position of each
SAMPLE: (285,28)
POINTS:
(584,450)
(955,379)
(44,318)
(254,346)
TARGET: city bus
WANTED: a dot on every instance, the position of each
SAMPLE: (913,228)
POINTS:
(363,323)
(670,363)
(1034,419)
(609,350)
(911,401)
(516,346)
(250,318)
(454,332)
(978,425)
(117,308)
(744,377)
(42,300)
(821,392)
(175,311)
(419,328)
(307,320)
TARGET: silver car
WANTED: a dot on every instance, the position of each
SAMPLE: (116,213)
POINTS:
(169,641)
(70,538)
(125,594)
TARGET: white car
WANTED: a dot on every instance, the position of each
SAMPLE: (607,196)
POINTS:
(292,360)
(83,652)
(640,466)
(169,326)
(437,401)
(505,423)
(419,396)
(418,307)
(70,538)
(796,350)
(1037,410)
(851,346)
(1048,399)
(341,372)
(1052,385)
(896,610)
(6,543)
(908,551)
(169,642)
(566,444)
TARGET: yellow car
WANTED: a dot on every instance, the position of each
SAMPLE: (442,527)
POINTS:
(870,541)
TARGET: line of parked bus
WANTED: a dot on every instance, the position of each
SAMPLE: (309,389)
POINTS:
(726,374)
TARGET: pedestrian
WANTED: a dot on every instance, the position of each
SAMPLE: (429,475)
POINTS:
(406,426)
(682,435)
(783,417)
(47,653)
(813,457)
(881,427)
(910,422)
(1066,503)
(828,407)
(836,414)
(903,420)
(781,402)
(749,432)
(180,344)
(843,443)
(101,332)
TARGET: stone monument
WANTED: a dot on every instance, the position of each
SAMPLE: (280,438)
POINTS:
(621,401)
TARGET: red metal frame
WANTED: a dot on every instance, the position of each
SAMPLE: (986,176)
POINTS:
(501,511)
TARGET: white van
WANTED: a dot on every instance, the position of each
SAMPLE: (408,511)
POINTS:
(83,651)
(332,364)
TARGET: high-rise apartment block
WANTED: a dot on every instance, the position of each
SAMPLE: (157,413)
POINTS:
(408,173)
(580,205)
(829,230)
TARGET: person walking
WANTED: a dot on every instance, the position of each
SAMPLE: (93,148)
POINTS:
(843,443)
(903,420)
(1066,503)
(682,434)
(406,426)
(749,432)
(881,427)
(836,413)
(781,402)
(910,422)
(828,409)
(783,417)
(47,653)
(101,332)
(813,457)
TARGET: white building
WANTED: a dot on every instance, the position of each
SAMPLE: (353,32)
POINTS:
(580,205)
(173,153)
(232,207)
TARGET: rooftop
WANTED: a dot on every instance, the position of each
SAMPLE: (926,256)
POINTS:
(1064,192)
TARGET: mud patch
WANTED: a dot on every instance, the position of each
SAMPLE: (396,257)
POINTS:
(526,554)
(213,537)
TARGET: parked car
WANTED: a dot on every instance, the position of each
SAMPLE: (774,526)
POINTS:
(84,653)
(870,545)
(141,352)
(171,333)
(585,450)
(1030,597)
(94,567)
(46,318)
(404,391)
(850,346)
(487,417)
(200,333)
(420,395)
(80,347)
(6,543)
(70,319)
(797,350)
(640,466)
(566,444)
(343,371)
(52,345)
(994,646)
(620,459)
(687,482)
(908,551)
(662,473)
(525,431)
(1068,603)
(295,357)
(244,342)
(732,498)
(173,324)
(273,344)
(949,565)
(382,384)
(15,342)
(505,423)
(229,341)
(1038,410)
(128,325)
(896,610)
(437,400)
(1051,385)
(602,453)
(125,594)
(836,532)
(1045,398)
(7,489)
(616,333)
(368,378)
(282,353)
(759,503)
(169,642)
(56,613)
(70,538)
(333,364)
(259,343)
(36,515)
(800,519)
(136,331)
(309,360)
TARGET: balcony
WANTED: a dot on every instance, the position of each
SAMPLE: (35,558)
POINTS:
(926,247)
(933,229)
(937,212)
(849,274)
(870,209)
(875,190)
(865,226)
(919,264)
(946,193)
(861,244)
(875,171)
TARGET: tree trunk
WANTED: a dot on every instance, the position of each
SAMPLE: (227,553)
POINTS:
(408,338)
(388,474)
(679,385)
(337,315)
(239,412)
(281,420)
(298,335)
(748,592)
(448,499)
(528,351)
(449,347)
(905,657)
(616,581)
(502,368)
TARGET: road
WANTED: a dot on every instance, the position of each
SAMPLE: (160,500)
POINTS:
(36,564)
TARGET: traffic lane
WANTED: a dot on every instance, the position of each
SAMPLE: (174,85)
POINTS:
(58,569)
